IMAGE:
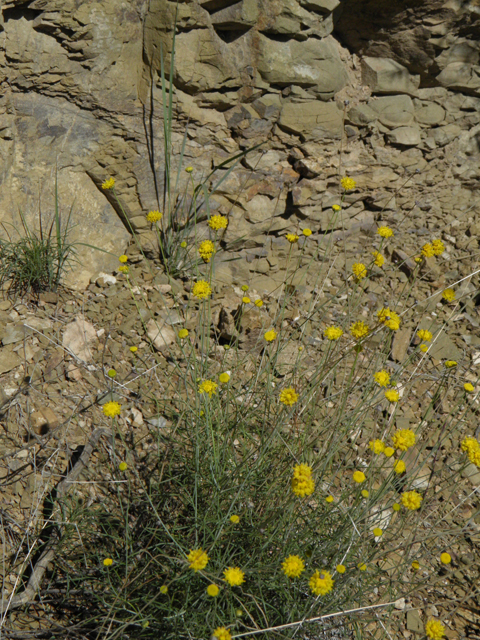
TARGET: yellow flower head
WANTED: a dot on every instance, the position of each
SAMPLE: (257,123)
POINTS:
(224,377)
(201,289)
(424,348)
(189,169)
(208,386)
(389,451)
(292,237)
(234,576)
(293,566)
(382,378)
(336,207)
(321,583)
(270,335)
(111,373)
(258,303)
(217,222)
(109,184)
(234,519)
(289,397)
(469,388)
(359,330)
(164,589)
(403,439)
(400,467)
(392,395)
(377,532)
(206,249)
(134,349)
(389,318)
(379,260)
(333,333)
(307,232)
(448,295)
(112,409)
(183,244)
(362,566)
(213,590)
(385,232)
(423,334)
(341,568)
(396,506)
(445,558)
(245,287)
(124,268)
(377,446)
(359,270)
(246,300)
(154,216)
(183,333)
(123,466)
(359,477)
(411,500)
(198,559)
(302,482)
(434,629)
(123,258)
(221,633)
(450,364)
(348,183)
(107,562)
(365,493)
(427,250)
(415,565)
(438,247)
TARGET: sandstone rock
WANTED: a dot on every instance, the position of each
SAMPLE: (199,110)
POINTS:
(324,6)
(361,115)
(384,75)
(160,334)
(313,63)
(261,209)
(78,338)
(461,76)
(401,342)
(444,135)
(405,136)
(312,119)
(240,15)
(429,113)
(393,111)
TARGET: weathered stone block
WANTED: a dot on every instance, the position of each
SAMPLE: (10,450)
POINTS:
(384,75)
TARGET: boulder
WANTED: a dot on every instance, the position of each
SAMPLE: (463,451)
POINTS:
(393,111)
(405,136)
(312,119)
(361,115)
(444,135)
(429,113)
(384,75)
(461,77)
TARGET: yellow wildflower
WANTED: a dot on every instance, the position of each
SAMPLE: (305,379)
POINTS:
(450,364)
(224,378)
(341,568)
(427,250)
(123,466)
(348,183)
(379,260)
(382,378)
(392,395)
(389,451)
(234,576)
(189,169)
(163,589)
(385,232)
(221,633)
(183,333)
(321,583)
(217,222)
(389,318)
(359,270)
(445,558)
(292,237)
(307,232)
(201,289)
(302,482)
(411,500)
(107,562)
(289,397)
(109,184)
(365,493)
(434,629)
(469,388)
(438,247)
(377,532)
(213,590)
(270,335)
(359,477)
(359,329)
(400,467)
(293,566)
(198,559)
(423,334)
(123,258)
(234,519)
(336,207)
(449,295)
(111,409)
(333,333)
(154,216)
(206,249)
(208,386)
(403,439)
(258,303)
(377,446)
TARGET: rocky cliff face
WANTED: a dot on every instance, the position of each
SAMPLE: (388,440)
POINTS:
(395,85)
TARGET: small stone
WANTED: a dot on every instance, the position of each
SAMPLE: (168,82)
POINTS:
(78,338)
(401,342)
(160,334)
(414,621)
(400,604)
(8,359)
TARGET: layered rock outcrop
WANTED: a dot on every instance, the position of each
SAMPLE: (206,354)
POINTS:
(395,86)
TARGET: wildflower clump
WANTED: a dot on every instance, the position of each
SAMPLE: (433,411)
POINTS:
(208,386)
(403,439)
(154,216)
(302,481)
(198,559)
(359,270)
(321,583)
(289,397)
(201,289)
(427,250)
(234,576)
(293,566)
(333,333)
(218,222)
(359,330)
(389,318)
(411,500)
(206,250)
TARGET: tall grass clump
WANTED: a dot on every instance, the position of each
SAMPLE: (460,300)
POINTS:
(281,488)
